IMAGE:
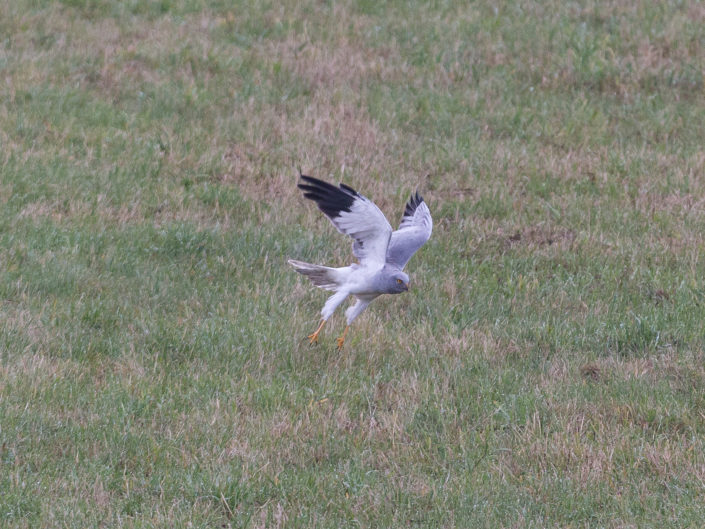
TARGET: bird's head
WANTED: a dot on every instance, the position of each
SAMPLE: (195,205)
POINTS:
(399,282)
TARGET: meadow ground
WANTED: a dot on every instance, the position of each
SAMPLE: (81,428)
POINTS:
(548,368)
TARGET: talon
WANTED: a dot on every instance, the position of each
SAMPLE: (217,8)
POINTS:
(313,338)
(340,341)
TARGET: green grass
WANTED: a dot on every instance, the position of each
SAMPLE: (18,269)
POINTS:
(547,369)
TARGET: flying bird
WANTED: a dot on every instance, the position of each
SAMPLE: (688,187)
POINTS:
(381,252)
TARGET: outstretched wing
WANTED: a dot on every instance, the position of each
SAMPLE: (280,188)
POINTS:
(414,231)
(353,215)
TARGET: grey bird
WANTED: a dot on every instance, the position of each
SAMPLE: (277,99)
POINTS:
(381,252)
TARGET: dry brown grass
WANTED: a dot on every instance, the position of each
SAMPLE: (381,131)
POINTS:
(340,132)
(546,370)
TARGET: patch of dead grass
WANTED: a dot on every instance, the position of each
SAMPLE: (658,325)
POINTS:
(542,235)
(570,450)
(239,447)
(271,516)
(326,138)
(668,366)
(173,211)
(666,458)
(37,368)
(26,322)
(293,437)
(78,210)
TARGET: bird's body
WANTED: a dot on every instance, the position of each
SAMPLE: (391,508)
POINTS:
(382,253)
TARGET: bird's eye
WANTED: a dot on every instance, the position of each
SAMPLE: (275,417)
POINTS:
(399,281)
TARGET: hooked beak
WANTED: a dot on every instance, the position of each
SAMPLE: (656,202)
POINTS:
(406,287)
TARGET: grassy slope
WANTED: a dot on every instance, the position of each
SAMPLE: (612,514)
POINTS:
(546,370)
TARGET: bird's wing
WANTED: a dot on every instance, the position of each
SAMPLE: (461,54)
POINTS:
(353,215)
(414,231)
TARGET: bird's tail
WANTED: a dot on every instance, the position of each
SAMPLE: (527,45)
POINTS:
(321,276)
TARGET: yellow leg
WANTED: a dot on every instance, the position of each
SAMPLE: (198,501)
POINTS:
(341,340)
(313,338)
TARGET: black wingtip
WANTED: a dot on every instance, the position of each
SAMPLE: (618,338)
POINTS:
(331,200)
(412,204)
(348,188)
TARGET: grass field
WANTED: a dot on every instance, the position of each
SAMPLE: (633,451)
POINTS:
(548,367)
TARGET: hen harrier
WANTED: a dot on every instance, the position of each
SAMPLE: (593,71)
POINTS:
(382,253)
